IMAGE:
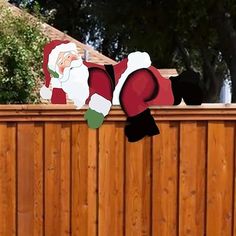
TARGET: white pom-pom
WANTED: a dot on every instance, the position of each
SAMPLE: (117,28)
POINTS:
(45,92)
(137,60)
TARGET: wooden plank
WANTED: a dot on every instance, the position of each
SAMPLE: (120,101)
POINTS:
(192,178)
(57,179)
(7,179)
(30,179)
(165,180)
(92,182)
(65,179)
(38,178)
(220,178)
(56,113)
(234,179)
(138,188)
(84,180)
(111,180)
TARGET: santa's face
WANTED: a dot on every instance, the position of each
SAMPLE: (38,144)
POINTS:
(64,60)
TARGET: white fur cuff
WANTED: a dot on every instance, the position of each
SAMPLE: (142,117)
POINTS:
(45,92)
(100,104)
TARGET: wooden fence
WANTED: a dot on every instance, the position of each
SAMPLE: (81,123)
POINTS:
(57,177)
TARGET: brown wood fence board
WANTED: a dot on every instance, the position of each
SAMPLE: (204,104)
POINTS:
(27,113)
(165,180)
(111,180)
(146,187)
(58,177)
(65,179)
(220,178)
(234,185)
(79,186)
(92,182)
(30,179)
(84,180)
(192,178)
(8,179)
(138,182)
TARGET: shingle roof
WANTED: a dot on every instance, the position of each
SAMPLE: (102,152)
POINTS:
(93,55)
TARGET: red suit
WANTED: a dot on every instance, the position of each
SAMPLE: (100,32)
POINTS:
(142,88)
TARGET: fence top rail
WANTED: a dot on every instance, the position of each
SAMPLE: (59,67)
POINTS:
(49,112)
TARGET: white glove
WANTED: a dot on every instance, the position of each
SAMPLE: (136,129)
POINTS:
(45,92)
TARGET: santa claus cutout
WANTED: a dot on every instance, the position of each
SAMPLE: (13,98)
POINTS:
(132,83)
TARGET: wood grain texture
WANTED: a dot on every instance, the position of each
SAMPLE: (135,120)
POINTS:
(192,178)
(111,180)
(84,180)
(52,112)
(57,179)
(138,188)
(220,178)
(165,180)
(234,183)
(30,179)
(61,178)
(7,179)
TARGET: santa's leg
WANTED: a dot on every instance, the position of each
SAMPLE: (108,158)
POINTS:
(139,88)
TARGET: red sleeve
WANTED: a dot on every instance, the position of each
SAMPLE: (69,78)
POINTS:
(119,69)
(100,83)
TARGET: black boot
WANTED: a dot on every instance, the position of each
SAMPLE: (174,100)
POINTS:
(176,90)
(140,125)
(187,86)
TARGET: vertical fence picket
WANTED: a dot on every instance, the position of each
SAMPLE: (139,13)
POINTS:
(30,179)
(192,178)
(84,180)
(7,180)
(138,188)
(57,179)
(220,178)
(165,180)
(111,180)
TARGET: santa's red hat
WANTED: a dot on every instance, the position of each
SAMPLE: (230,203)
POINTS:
(51,52)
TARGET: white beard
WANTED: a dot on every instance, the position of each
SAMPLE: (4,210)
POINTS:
(75,82)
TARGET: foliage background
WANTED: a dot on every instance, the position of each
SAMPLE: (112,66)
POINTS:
(21,47)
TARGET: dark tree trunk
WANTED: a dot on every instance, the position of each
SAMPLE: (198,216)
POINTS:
(227,41)
(212,83)
(184,53)
(232,68)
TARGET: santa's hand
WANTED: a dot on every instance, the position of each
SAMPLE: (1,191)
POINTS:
(45,92)
(94,119)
